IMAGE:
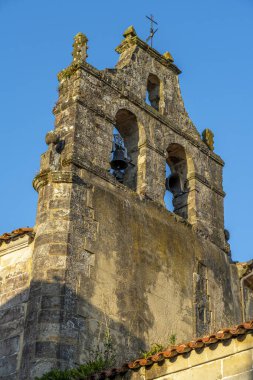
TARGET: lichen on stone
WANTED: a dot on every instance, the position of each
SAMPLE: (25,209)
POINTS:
(68,72)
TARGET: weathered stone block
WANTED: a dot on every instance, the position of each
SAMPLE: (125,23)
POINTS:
(11,314)
(50,316)
(60,203)
(59,249)
(53,237)
(209,371)
(8,365)
(176,364)
(52,289)
(9,346)
(46,350)
(51,302)
(238,363)
(243,342)
(11,328)
(56,275)
(242,376)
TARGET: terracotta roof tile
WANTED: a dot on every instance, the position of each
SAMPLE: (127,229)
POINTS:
(7,237)
(157,357)
(198,343)
(209,339)
(223,334)
(238,330)
(170,353)
(183,348)
(248,325)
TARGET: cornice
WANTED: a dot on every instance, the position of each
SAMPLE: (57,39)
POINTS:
(205,182)
(43,178)
(147,144)
(94,169)
(23,242)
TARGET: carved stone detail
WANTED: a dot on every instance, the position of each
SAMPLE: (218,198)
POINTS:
(208,136)
(80,48)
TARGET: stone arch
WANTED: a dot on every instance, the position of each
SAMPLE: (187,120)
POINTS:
(154,91)
(178,182)
(127,126)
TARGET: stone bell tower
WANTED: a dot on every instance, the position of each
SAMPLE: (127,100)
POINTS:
(107,252)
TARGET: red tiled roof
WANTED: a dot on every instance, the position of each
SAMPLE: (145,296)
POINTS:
(178,349)
(7,237)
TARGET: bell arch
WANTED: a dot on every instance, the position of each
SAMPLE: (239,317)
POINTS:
(127,127)
(181,169)
(153,92)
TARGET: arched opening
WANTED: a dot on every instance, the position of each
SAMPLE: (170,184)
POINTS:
(153,91)
(168,197)
(176,181)
(124,159)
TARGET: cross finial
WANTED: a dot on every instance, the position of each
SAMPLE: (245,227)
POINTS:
(152,31)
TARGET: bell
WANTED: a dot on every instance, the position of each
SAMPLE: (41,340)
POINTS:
(173,184)
(119,160)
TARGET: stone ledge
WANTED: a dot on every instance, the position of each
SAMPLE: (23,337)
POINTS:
(46,177)
(16,245)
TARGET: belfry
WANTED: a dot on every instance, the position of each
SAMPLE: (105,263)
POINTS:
(105,253)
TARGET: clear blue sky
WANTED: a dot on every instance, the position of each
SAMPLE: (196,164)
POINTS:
(211,42)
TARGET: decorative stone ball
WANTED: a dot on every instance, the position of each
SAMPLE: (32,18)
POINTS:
(51,138)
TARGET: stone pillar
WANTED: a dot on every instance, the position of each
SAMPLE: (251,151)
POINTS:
(47,343)
(51,333)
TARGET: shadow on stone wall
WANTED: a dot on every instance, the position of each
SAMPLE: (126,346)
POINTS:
(46,326)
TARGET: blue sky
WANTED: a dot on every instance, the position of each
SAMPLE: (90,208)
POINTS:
(211,42)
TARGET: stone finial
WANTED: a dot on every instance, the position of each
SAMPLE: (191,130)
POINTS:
(207,136)
(168,56)
(80,48)
(51,138)
(130,39)
(130,32)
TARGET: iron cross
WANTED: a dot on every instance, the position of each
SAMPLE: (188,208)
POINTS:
(152,31)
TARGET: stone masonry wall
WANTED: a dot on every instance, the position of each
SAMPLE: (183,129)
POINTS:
(101,95)
(15,274)
(143,273)
(107,257)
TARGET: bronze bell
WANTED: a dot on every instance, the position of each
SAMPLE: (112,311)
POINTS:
(173,184)
(119,160)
